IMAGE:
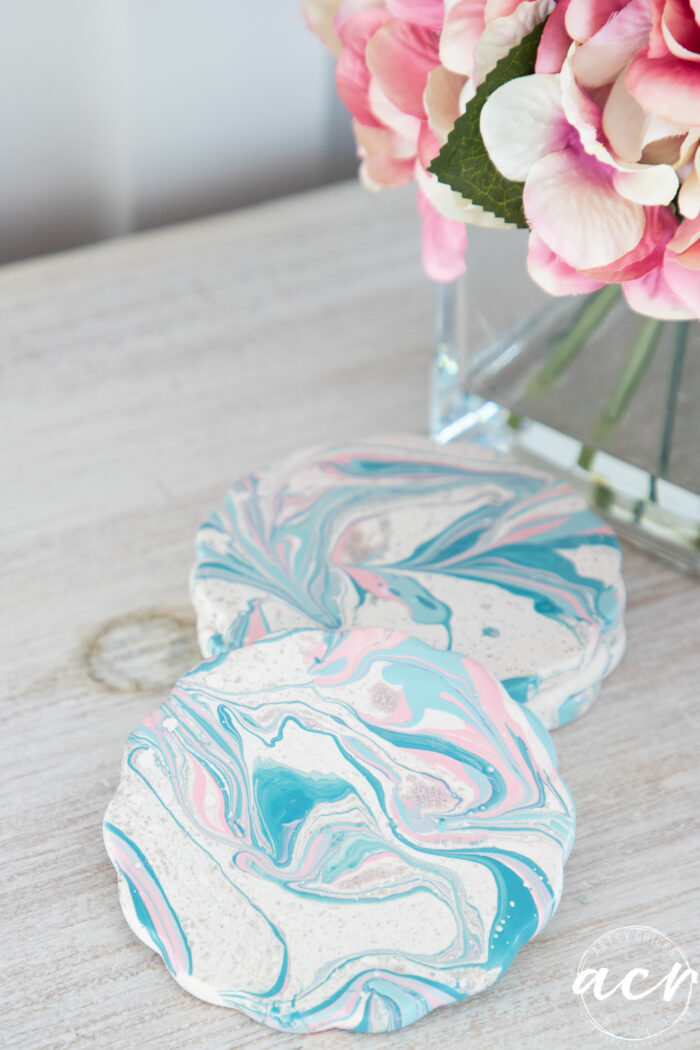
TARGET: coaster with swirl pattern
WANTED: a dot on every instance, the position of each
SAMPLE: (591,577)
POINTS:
(462,547)
(339,830)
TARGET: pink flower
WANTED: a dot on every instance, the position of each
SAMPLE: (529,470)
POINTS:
(664,76)
(476,35)
(601,162)
(681,268)
(406,69)
(604,134)
(388,74)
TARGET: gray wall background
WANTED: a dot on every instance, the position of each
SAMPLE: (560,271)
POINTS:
(119,115)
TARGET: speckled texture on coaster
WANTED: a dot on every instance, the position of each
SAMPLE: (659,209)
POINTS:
(460,546)
(339,829)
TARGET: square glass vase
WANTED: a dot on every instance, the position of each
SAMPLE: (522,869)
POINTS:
(582,386)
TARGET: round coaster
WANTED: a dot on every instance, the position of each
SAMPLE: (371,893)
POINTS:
(339,830)
(461,547)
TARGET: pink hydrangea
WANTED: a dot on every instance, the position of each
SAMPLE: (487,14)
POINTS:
(405,71)
(387,55)
(604,134)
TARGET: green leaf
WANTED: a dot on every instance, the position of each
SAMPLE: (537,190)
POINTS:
(463,162)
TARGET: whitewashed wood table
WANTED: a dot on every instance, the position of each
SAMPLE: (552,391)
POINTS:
(138,379)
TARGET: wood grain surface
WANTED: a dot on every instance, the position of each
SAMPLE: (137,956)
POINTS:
(138,379)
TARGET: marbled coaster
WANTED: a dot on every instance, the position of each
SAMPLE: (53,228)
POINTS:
(339,829)
(461,547)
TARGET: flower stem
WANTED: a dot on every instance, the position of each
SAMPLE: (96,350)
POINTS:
(637,363)
(566,348)
(680,341)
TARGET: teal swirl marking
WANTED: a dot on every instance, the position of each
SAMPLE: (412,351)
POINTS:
(284,798)
(439,544)
(368,825)
(151,906)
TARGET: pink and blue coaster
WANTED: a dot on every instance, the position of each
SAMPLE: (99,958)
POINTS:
(461,547)
(339,829)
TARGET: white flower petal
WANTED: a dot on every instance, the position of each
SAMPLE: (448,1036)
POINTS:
(689,153)
(649,184)
(442,100)
(522,121)
(624,122)
(689,197)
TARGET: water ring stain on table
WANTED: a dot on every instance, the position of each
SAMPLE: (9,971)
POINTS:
(141,652)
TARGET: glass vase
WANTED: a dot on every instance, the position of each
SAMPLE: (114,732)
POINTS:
(580,385)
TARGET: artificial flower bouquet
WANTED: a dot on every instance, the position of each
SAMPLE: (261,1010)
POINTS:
(577,119)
